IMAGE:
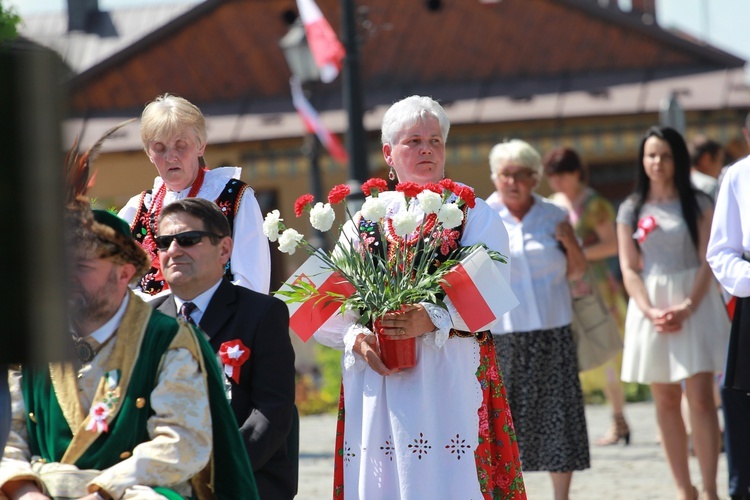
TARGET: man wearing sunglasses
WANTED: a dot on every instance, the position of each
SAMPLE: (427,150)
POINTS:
(140,411)
(248,330)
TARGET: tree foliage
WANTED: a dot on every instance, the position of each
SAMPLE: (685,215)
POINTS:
(9,21)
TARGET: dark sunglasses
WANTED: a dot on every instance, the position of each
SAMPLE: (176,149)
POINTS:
(186,239)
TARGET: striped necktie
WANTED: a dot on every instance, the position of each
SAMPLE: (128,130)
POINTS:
(186,309)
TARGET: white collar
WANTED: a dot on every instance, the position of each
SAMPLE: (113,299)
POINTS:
(201,301)
(105,331)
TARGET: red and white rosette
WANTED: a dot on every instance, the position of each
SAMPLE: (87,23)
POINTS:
(98,418)
(645,226)
(233,354)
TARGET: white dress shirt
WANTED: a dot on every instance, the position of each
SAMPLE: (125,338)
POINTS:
(730,231)
(200,302)
(538,275)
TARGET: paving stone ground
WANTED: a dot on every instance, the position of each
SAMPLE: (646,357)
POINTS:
(638,471)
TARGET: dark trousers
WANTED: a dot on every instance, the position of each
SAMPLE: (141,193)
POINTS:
(736,402)
(736,405)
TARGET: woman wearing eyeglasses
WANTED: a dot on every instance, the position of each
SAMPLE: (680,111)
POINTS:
(534,344)
(173,131)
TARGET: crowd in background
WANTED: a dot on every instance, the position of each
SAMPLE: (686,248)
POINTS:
(192,247)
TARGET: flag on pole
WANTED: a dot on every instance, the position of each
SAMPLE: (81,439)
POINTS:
(324,45)
(314,124)
(479,292)
(305,318)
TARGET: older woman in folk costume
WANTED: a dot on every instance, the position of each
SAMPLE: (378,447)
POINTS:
(173,132)
(441,429)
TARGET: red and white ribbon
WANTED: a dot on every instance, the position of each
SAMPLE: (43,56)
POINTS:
(645,226)
(98,418)
(233,355)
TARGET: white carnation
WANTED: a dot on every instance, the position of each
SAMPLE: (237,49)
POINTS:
(430,201)
(373,209)
(271,225)
(450,215)
(289,240)
(404,223)
(322,216)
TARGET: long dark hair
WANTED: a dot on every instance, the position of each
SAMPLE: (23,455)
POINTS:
(685,191)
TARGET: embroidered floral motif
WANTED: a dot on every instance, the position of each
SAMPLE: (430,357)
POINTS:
(225,206)
(448,240)
(100,412)
(338,465)
(420,446)
(497,459)
(457,446)
(388,449)
(348,453)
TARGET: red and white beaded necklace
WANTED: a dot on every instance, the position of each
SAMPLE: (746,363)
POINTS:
(158,202)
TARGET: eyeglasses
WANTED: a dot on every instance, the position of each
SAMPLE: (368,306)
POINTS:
(185,240)
(518,176)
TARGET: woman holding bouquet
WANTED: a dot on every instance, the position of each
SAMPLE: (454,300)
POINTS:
(534,343)
(442,428)
(676,328)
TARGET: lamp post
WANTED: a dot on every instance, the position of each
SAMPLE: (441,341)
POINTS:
(302,65)
(671,113)
(356,143)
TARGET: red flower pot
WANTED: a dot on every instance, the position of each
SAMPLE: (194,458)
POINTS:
(395,353)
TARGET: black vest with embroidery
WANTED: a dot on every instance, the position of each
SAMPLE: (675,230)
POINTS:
(153,281)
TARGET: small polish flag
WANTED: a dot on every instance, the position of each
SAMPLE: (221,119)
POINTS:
(305,318)
(324,45)
(314,124)
(479,292)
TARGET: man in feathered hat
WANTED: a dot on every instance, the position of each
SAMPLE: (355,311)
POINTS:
(141,412)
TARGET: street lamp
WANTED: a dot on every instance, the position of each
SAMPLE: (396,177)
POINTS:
(297,54)
(671,113)
(302,65)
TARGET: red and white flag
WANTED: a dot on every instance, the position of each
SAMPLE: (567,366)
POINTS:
(479,292)
(322,40)
(305,318)
(314,124)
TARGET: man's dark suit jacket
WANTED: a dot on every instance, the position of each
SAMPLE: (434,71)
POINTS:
(263,402)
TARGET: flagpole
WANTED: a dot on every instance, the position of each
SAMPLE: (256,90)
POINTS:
(355,140)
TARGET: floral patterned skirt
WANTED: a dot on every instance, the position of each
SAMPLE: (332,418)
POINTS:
(437,430)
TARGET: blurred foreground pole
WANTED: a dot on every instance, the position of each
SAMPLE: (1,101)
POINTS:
(32,286)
